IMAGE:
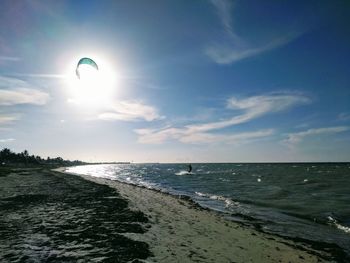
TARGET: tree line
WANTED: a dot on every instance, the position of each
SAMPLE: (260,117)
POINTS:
(7,158)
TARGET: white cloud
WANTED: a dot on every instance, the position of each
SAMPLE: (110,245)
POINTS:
(294,138)
(6,140)
(15,91)
(9,82)
(152,136)
(228,53)
(237,48)
(156,136)
(23,96)
(131,111)
(273,102)
(43,76)
(236,138)
(8,119)
(224,11)
(251,108)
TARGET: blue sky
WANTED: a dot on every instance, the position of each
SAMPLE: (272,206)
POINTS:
(180,81)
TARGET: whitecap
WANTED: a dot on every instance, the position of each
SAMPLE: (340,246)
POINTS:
(184,173)
(339,226)
(200,194)
(228,201)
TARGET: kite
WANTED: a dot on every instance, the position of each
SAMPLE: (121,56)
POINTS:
(85,61)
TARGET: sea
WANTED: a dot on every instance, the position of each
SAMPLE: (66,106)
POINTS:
(305,201)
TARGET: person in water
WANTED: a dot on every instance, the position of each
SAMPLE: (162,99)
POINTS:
(189,168)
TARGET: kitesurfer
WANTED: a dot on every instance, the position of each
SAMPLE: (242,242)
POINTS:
(189,168)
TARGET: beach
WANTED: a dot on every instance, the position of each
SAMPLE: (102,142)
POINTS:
(51,217)
(59,217)
(174,131)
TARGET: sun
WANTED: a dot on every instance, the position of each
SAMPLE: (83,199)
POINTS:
(93,88)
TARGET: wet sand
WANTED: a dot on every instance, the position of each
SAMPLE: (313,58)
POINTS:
(183,232)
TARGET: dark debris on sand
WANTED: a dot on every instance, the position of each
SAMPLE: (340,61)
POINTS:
(51,217)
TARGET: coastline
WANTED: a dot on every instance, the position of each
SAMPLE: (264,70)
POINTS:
(181,231)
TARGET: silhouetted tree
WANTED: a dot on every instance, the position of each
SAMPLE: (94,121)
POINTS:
(7,157)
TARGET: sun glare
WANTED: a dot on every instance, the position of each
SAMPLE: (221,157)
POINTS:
(94,88)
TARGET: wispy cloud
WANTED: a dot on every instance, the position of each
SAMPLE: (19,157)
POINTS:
(227,54)
(43,76)
(131,111)
(5,119)
(22,96)
(237,138)
(295,138)
(157,136)
(15,91)
(6,140)
(153,136)
(344,116)
(253,107)
(224,9)
(236,48)
(250,108)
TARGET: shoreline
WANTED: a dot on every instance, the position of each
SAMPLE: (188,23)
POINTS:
(182,229)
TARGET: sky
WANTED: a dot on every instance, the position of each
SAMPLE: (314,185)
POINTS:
(178,81)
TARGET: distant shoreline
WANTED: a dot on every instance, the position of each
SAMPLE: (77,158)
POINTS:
(328,162)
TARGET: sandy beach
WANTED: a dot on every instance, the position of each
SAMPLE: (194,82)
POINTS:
(51,216)
(183,232)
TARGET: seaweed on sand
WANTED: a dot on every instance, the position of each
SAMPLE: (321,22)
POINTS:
(54,217)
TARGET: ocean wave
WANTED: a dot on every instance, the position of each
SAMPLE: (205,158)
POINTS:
(184,173)
(224,171)
(228,201)
(333,221)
